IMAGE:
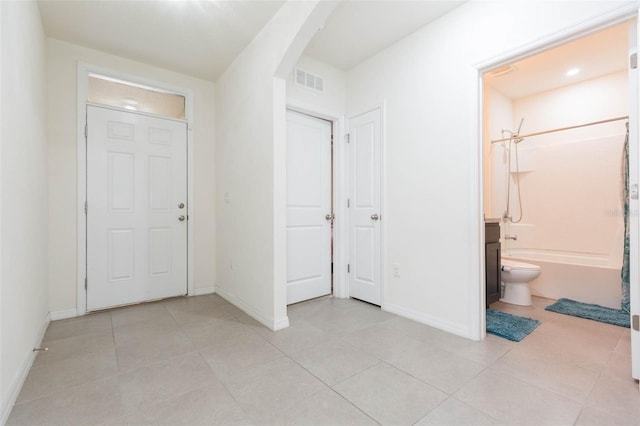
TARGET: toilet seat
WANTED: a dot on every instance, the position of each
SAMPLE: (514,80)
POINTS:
(521,266)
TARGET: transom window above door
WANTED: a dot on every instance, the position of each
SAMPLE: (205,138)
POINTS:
(121,94)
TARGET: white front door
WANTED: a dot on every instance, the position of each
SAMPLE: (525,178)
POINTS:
(136,207)
(308,207)
(365,186)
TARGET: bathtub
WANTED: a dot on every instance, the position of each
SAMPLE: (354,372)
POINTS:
(588,279)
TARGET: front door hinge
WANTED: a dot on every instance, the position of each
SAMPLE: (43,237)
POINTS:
(85,283)
(633,61)
(635,322)
(348,137)
(348,268)
(348,203)
(86,209)
(86,130)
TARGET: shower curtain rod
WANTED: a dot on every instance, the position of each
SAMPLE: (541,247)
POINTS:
(626,117)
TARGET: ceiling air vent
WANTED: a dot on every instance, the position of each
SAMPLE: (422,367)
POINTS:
(503,70)
(309,81)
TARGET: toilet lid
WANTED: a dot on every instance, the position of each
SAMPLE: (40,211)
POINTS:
(519,265)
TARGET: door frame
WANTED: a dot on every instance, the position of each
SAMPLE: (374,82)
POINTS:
(477,289)
(339,152)
(83,71)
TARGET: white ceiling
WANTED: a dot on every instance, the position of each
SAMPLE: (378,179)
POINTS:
(195,37)
(202,37)
(358,29)
(595,55)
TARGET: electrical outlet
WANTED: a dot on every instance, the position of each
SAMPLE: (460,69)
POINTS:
(395,269)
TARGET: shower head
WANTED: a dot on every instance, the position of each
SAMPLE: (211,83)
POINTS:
(520,127)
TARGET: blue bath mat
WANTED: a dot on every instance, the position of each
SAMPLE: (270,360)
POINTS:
(509,326)
(589,311)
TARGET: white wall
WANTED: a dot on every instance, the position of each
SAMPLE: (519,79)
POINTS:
(571,187)
(332,100)
(62,61)
(430,84)
(251,160)
(23,277)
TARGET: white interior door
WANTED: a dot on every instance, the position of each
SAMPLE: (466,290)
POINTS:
(634,225)
(136,207)
(308,207)
(365,169)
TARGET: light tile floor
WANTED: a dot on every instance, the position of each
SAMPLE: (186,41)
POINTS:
(201,361)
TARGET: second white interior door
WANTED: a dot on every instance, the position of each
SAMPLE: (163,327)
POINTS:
(365,188)
(308,207)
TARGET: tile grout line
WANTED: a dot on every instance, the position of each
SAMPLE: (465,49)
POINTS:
(329,387)
(600,376)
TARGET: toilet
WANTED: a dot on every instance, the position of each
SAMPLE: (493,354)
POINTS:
(516,277)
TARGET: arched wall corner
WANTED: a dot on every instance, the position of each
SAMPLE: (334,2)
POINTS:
(250,164)
(313,23)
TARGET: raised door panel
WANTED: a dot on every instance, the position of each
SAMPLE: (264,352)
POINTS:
(160,252)
(160,186)
(120,179)
(304,254)
(305,168)
(365,261)
(160,136)
(120,255)
(364,142)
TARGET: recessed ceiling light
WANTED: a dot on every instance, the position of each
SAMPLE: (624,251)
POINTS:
(130,107)
(130,101)
(573,71)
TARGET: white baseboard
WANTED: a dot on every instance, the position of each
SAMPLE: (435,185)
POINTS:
(270,323)
(18,382)
(281,323)
(199,291)
(420,317)
(63,314)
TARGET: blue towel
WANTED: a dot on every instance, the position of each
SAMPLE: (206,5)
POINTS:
(509,326)
(589,311)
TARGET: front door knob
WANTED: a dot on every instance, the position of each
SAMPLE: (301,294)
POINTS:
(181,218)
(375,216)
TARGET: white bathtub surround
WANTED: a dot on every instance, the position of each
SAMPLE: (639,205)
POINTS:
(583,278)
(572,224)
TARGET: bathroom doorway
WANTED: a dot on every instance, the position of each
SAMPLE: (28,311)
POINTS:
(554,135)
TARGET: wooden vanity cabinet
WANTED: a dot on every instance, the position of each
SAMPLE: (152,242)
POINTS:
(493,265)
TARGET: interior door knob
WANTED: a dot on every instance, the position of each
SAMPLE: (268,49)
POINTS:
(330,216)
(181,218)
(375,216)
